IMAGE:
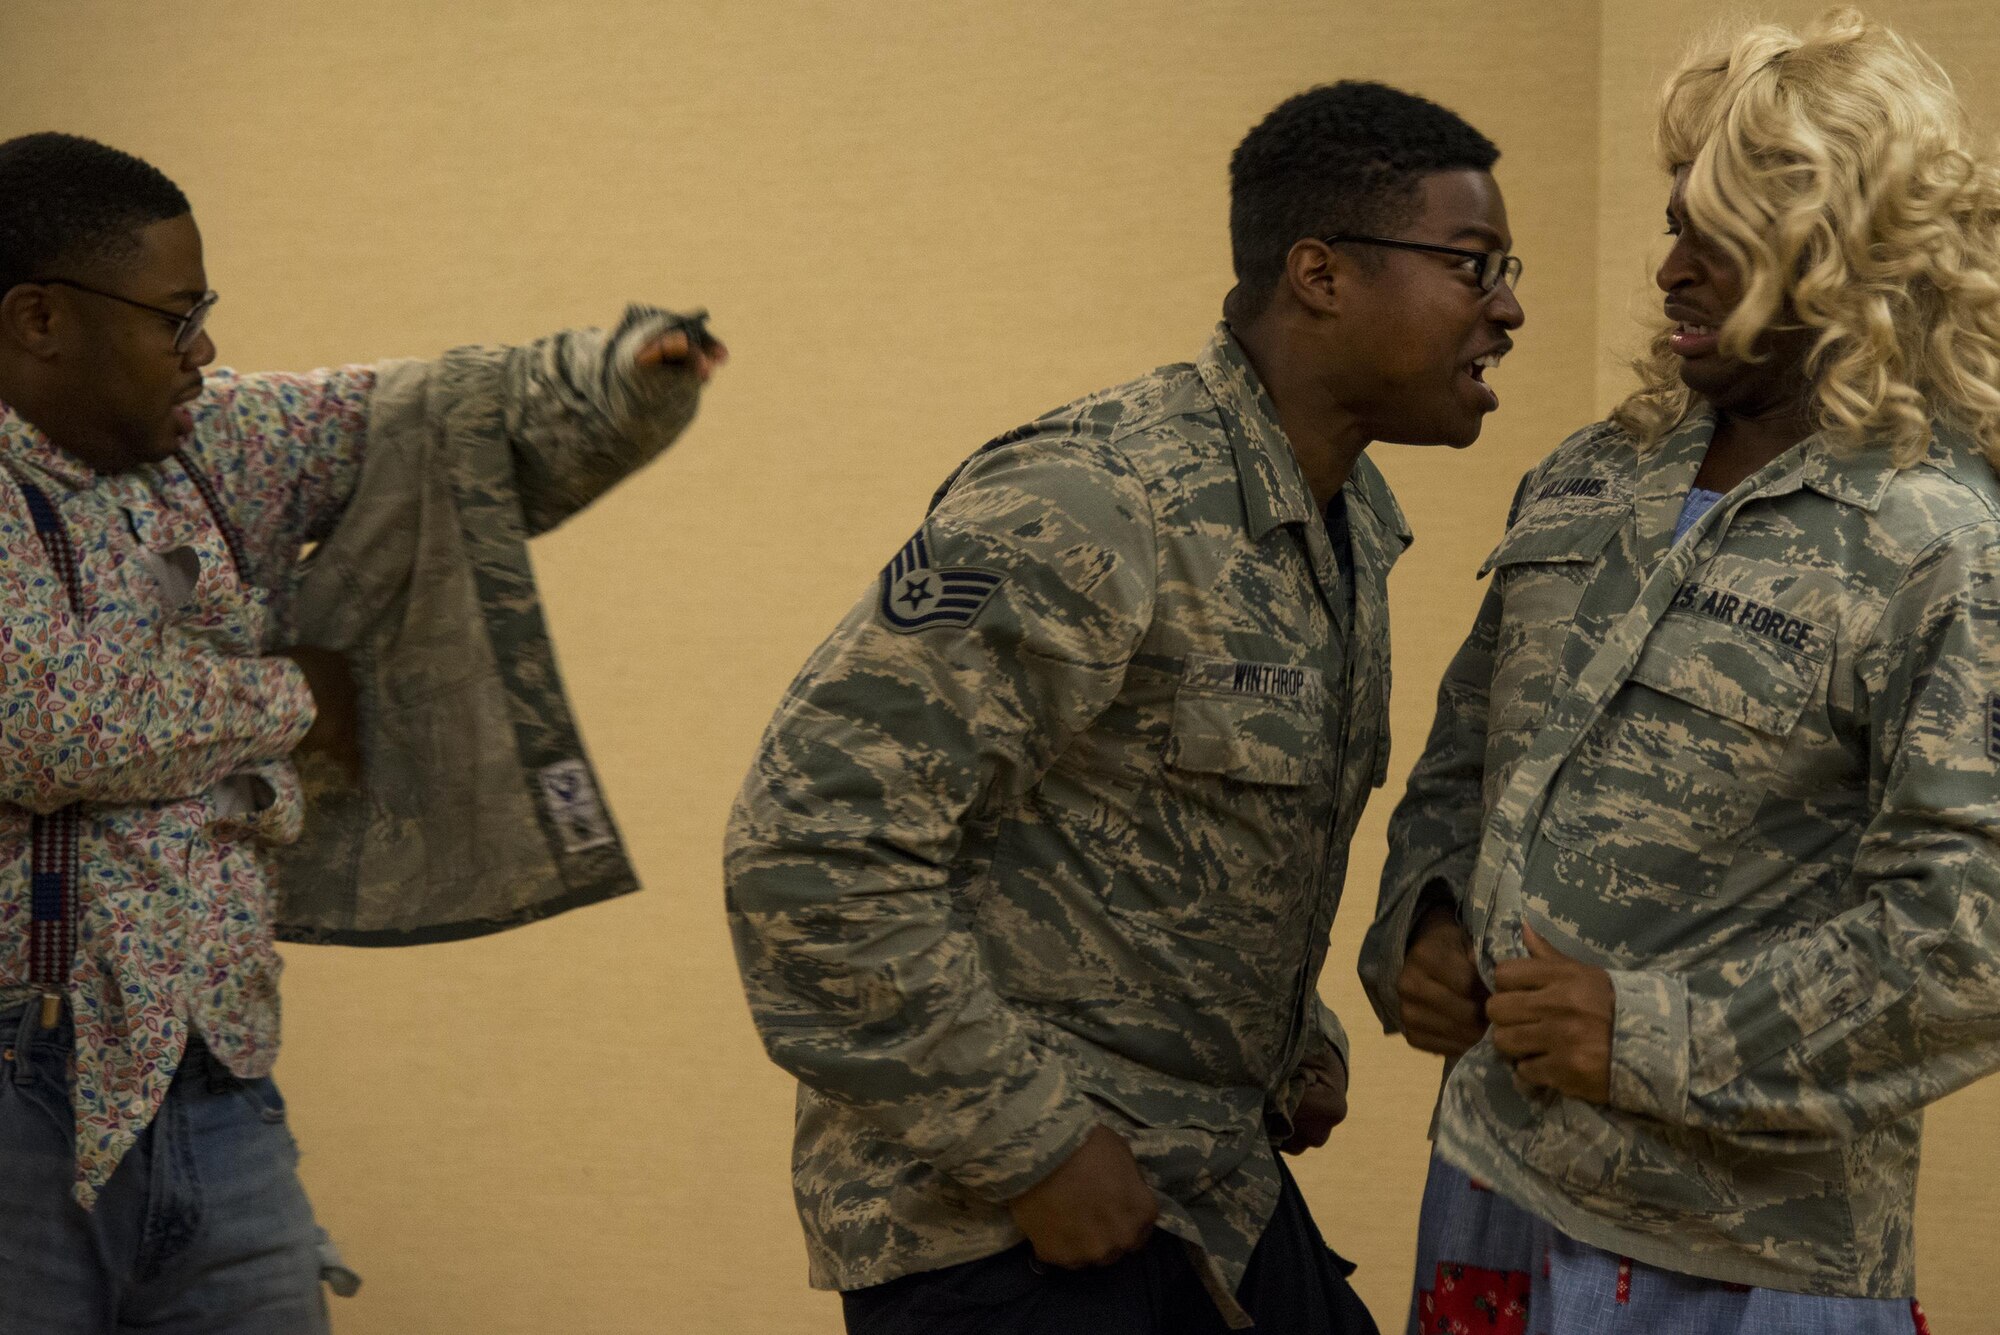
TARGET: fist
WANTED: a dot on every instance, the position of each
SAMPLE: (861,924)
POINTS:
(1442,998)
(336,730)
(1095,1207)
(676,347)
(1321,1108)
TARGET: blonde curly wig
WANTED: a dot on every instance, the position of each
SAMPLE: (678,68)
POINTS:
(1836,168)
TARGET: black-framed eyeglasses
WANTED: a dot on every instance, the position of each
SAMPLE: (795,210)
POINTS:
(187,324)
(1495,266)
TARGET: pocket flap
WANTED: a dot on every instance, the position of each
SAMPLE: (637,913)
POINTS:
(1276,738)
(1729,671)
(1559,535)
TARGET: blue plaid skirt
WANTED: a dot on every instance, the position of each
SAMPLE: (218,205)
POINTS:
(1485,1265)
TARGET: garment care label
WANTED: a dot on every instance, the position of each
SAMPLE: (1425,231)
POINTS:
(571,801)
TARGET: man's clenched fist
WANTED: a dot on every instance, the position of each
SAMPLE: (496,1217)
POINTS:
(1442,997)
(1095,1208)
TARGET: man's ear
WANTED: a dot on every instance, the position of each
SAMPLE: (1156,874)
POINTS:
(29,320)
(1317,275)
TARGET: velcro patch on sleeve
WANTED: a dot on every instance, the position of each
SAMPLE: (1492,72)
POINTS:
(920,595)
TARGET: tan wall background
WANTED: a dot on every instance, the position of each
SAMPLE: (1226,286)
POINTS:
(917,225)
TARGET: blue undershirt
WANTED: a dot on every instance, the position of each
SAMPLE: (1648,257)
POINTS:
(1699,502)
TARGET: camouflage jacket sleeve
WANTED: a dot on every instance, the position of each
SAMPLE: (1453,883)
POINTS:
(1434,831)
(1895,1003)
(1325,1050)
(900,737)
(1331,1043)
(581,414)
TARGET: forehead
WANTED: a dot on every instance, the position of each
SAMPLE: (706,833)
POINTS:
(168,262)
(1462,206)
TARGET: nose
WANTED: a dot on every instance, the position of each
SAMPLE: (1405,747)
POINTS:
(1503,307)
(1677,270)
(200,353)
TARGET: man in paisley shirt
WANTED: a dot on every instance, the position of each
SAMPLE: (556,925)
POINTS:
(151,705)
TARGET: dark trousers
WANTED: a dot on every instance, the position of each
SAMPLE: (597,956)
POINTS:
(1295,1285)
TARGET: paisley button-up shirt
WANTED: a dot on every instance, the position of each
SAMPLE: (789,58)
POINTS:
(157,713)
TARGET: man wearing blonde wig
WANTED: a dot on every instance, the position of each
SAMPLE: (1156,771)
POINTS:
(1698,880)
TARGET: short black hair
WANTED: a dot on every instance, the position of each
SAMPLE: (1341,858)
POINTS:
(1342,157)
(64,198)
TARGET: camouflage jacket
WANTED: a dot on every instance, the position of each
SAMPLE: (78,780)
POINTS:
(1050,832)
(1756,775)
(478,809)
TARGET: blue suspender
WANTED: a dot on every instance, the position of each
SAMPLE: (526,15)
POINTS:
(53,838)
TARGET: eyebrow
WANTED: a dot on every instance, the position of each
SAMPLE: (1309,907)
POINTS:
(1478,232)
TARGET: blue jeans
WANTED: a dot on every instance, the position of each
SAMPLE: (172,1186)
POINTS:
(203,1230)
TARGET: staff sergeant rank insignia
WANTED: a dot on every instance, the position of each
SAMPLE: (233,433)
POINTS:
(916,595)
(1993,727)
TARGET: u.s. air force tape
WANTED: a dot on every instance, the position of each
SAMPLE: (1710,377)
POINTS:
(917,595)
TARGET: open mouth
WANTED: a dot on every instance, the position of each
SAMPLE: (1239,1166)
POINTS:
(1694,340)
(1476,372)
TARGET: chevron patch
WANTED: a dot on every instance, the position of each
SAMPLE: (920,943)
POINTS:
(1993,727)
(918,595)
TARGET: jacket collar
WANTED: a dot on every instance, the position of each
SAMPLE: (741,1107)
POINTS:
(1367,483)
(1859,477)
(1274,487)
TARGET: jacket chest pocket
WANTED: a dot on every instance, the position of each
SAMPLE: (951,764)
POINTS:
(1671,777)
(1257,723)
(1543,565)
(1234,846)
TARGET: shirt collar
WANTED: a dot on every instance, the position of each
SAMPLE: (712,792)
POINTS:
(1367,482)
(1274,488)
(1859,476)
(21,441)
